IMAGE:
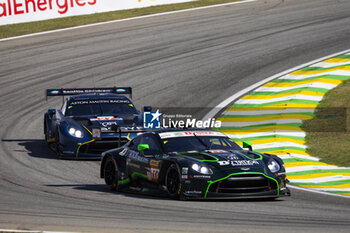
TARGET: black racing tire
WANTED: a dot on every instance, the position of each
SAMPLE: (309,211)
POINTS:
(46,133)
(53,146)
(56,146)
(45,130)
(111,174)
(173,182)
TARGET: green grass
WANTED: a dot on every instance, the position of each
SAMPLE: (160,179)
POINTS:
(52,24)
(328,135)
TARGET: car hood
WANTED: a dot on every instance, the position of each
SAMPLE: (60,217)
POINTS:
(229,160)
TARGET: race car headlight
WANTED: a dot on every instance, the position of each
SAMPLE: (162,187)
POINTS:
(75,132)
(201,169)
(273,165)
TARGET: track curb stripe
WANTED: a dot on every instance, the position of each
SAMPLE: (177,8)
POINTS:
(271,116)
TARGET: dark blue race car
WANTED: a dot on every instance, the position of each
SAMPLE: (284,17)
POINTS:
(86,124)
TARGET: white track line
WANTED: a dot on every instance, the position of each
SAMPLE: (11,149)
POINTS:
(331,64)
(302,76)
(284,98)
(316,191)
(273,145)
(321,179)
(294,155)
(269,133)
(312,167)
(127,19)
(292,86)
(332,189)
(270,112)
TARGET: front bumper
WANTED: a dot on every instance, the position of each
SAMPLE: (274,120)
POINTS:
(91,149)
(239,185)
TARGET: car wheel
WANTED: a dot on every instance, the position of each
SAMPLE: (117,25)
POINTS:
(111,174)
(46,133)
(173,182)
(57,147)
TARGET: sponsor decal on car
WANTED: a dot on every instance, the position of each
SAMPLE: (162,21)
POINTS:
(185,177)
(68,152)
(184,170)
(201,177)
(135,156)
(54,92)
(100,101)
(123,152)
(154,163)
(96,133)
(101,119)
(109,123)
(193,192)
(120,90)
(131,164)
(245,168)
(238,163)
(106,118)
(217,151)
(153,174)
(232,157)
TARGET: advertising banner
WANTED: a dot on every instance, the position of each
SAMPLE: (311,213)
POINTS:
(19,11)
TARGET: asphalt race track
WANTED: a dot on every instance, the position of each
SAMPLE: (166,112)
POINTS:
(191,59)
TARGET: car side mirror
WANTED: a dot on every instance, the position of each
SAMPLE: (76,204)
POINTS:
(130,119)
(147,108)
(248,145)
(51,112)
(142,147)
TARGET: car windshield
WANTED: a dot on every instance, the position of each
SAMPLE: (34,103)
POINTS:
(198,143)
(100,107)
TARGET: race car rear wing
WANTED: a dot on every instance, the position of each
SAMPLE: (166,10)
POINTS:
(79,91)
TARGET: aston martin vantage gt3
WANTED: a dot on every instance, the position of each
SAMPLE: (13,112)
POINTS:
(193,164)
(69,131)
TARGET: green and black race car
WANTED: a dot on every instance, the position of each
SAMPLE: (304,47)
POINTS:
(193,164)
